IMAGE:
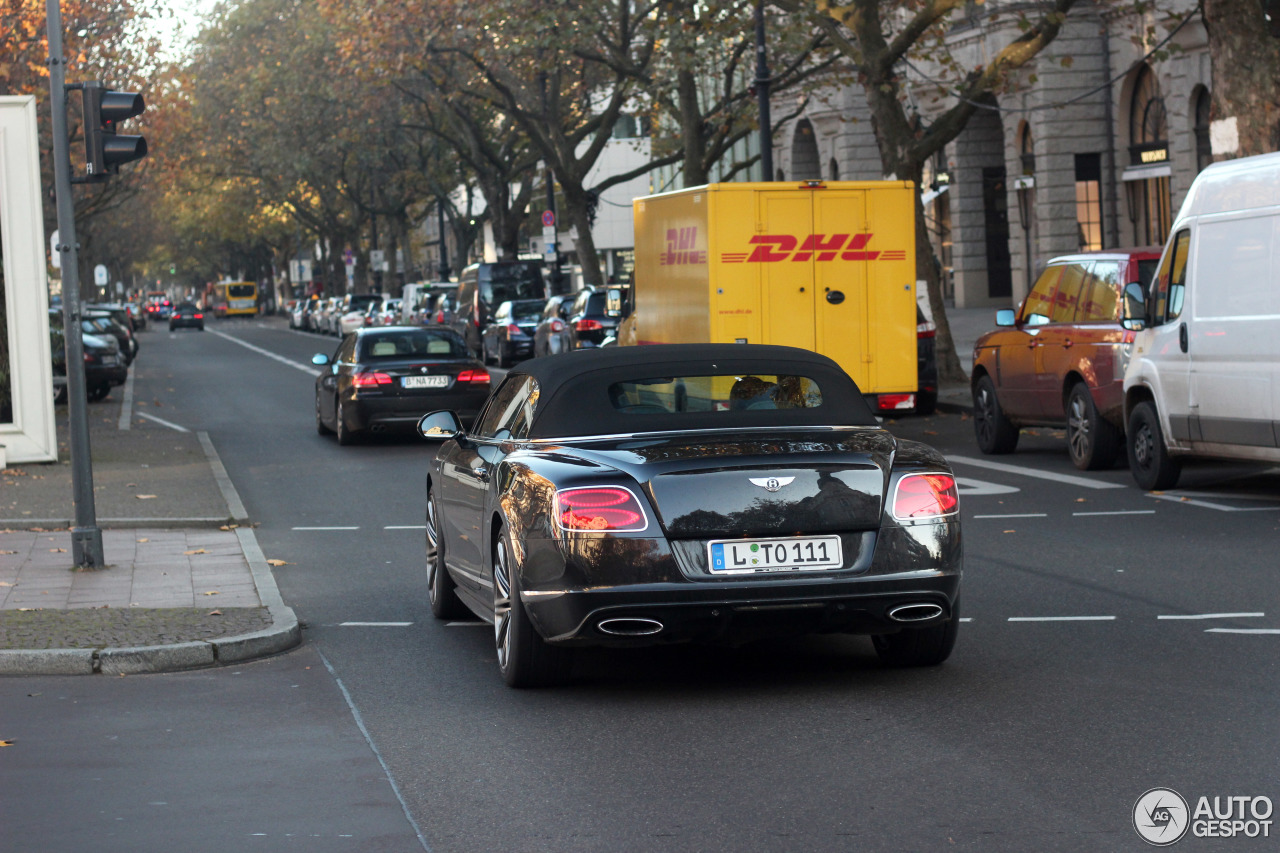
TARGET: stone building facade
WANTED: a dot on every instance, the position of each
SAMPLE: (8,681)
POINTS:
(1093,147)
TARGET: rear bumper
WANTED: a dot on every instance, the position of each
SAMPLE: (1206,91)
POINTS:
(389,412)
(733,613)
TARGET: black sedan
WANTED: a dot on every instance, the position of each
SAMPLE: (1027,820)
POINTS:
(509,335)
(385,377)
(186,315)
(700,492)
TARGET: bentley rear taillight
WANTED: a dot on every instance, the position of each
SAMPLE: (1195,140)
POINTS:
(599,508)
(922,496)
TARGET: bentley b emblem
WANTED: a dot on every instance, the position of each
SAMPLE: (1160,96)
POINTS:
(771,484)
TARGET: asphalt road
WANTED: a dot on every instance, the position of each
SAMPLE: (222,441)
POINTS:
(1111,647)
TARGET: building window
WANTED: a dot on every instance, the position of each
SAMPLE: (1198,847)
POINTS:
(1204,151)
(1147,192)
(1089,201)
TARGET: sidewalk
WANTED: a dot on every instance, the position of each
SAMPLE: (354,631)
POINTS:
(967,325)
(185,584)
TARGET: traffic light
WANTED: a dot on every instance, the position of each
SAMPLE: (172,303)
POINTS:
(105,149)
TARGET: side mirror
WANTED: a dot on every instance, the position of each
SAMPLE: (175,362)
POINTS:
(613,302)
(1006,317)
(1135,306)
(439,426)
(320,359)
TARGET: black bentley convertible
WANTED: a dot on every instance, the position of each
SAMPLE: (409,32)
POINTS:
(701,492)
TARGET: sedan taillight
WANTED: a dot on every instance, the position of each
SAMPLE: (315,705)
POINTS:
(473,376)
(371,380)
(557,326)
(920,496)
(199,316)
(602,508)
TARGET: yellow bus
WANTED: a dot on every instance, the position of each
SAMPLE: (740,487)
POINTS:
(234,299)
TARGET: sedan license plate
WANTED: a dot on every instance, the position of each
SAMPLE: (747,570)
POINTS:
(795,554)
(425,381)
(110,360)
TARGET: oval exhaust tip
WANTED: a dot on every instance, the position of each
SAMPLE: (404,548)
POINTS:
(919,612)
(630,626)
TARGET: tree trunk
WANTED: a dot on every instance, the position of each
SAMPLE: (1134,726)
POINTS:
(1245,63)
(575,199)
(693,131)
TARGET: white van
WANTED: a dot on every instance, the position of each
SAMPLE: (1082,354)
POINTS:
(1204,376)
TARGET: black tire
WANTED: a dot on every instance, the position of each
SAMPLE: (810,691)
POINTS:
(1149,459)
(926,402)
(320,427)
(920,646)
(1093,442)
(441,588)
(97,393)
(345,436)
(995,432)
(524,658)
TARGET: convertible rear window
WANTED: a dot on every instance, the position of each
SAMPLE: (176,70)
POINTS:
(724,393)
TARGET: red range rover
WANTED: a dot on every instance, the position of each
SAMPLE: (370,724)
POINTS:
(1059,360)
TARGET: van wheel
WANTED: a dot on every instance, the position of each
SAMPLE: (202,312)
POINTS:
(1149,459)
(995,432)
(1093,442)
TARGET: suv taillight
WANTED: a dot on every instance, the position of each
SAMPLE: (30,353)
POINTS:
(588,325)
(895,402)
(918,496)
(599,508)
(926,330)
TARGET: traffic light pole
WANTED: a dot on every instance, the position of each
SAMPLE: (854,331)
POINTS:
(86,536)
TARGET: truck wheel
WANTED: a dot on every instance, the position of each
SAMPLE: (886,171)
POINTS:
(1149,459)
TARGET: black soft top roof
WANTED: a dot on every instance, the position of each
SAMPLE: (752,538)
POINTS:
(573,388)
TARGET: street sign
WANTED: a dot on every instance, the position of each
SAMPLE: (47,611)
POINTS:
(100,275)
(348,257)
(54,253)
(377,258)
(548,219)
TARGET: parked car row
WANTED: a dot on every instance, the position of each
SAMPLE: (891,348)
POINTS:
(341,315)
(1159,355)
(105,363)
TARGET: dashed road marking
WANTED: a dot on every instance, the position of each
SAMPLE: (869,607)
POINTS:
(1062,618)
(405,527)
(1186,501)
(374,624)
(1017,515)
(1211,615)
(324,528)
(1068,479)
(1119,512)
(1242,631)
(163,422)
(305,368)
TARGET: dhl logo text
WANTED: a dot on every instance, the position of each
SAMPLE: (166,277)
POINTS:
(772,248)
(680,248)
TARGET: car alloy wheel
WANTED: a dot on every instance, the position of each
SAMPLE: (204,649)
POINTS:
(995,432)
(1091,440)
(502,605)
(440,588)
(524,658)
(345,435)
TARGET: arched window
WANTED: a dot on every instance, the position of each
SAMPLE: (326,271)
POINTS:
(805,165)
(1147,179)
(1200,106)
(1148,122)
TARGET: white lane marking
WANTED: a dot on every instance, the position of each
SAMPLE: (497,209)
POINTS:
(1239,496)
(1033,472)
(1119,512)
(466,624)
(971,487)
(966,618)
(325,528)
(1017,515)
(1210,505)
(234,505)
(374,624)
(1062,618)
(1211,615)
(126,405)
(305,368)
(405,527)
(163,422)
(1242,631)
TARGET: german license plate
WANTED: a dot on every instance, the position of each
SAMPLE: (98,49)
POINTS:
(425,381)
(792,554)
(110,360)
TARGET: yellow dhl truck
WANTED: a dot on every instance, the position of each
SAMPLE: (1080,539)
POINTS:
(825,266)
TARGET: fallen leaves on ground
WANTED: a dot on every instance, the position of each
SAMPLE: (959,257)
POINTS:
(57,550)
(228,527)
(195,551)
(1011,531)
(14,472)
(214,613)
(279,563)
(8,552)
(145,497)
(210,592)
(7,742)
(930,432)
(144,539)
(4,583)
